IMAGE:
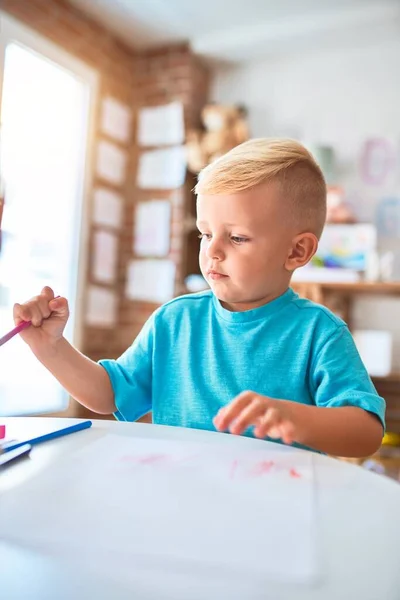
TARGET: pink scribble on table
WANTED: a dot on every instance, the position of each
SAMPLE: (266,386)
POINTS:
(153,458)
(160,460)
(237,469)
(262,468)
(147,459)
(293,473)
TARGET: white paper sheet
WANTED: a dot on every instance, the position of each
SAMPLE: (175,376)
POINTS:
(105,256)
(152,228)
(161,125)
(111,163)
(122,501)
(116,119)
(150,280)
(101,308)
(162,169)
(108,208)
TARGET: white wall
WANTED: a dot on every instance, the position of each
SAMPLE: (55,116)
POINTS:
(338,97)
(331,96)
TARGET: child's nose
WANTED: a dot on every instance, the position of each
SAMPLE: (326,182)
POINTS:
(215,249)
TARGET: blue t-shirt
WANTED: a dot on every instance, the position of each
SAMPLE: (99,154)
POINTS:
(193,356)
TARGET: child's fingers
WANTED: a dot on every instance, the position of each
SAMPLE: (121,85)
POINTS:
(283,430)
(28,312)
(36,311)
(21,312)
(267,422)
(59,306)
(45,300)
(47,293)
(227,414)
(287,432)
(42,303)
(249,415)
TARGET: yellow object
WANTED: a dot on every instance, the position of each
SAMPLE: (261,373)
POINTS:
(391,439)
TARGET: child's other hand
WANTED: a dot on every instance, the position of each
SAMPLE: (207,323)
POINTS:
(269,416)
(49,316)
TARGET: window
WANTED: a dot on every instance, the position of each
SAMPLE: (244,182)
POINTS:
(45,121)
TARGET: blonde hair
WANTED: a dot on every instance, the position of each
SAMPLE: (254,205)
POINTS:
(263,160)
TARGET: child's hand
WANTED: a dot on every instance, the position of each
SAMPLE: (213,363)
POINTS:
(269,416)
(48,315)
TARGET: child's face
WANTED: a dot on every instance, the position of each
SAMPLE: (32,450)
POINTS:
(246,241)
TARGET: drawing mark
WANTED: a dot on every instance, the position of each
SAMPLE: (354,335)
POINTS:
(147,459)
(293,473)
(263,467)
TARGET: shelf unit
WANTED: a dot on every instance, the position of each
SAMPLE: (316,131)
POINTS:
(339,298)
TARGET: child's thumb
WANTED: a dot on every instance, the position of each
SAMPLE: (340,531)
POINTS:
(59,306)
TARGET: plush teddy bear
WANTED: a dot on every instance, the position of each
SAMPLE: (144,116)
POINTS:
(224,128)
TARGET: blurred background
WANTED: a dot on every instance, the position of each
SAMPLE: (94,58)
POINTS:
(109,108)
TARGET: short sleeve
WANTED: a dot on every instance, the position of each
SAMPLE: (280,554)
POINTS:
(339,378)
(131,376)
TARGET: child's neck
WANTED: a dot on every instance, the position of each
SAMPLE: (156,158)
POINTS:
(251,304)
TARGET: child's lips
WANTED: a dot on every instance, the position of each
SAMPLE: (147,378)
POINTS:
(215,275)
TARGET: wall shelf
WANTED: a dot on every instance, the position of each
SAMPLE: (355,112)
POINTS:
(362,287)
(339,297)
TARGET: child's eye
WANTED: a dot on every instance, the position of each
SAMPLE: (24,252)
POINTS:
(238,239)
(204,236)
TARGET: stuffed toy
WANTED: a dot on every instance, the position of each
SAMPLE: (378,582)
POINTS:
(224,128)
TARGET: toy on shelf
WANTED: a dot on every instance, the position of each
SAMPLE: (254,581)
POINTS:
(338,211)
(224,128)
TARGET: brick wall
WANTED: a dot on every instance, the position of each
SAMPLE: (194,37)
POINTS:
(169,74)
(152,78)
(80,36)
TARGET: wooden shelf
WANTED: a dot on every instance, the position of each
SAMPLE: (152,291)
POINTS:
(392,377)
(339,298)
(391,288)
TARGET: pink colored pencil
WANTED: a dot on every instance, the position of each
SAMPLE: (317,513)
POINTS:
(14,331)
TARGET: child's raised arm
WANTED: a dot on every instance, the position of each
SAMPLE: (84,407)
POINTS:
(84,379)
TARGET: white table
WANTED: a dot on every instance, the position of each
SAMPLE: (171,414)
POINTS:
(358,513)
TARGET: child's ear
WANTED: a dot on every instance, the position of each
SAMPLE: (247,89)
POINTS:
(302,249)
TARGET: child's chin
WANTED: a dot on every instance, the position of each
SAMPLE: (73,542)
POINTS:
(229,298)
